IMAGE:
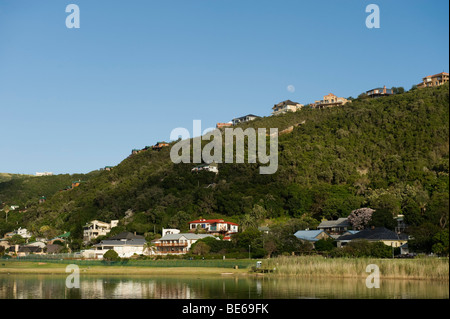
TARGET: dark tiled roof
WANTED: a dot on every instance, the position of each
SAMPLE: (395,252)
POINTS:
(30,249)
(130,242)
(378,233)
(287,102)
(341,222)
(54,248)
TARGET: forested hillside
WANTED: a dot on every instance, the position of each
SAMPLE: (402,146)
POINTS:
(390,154)
(25,190)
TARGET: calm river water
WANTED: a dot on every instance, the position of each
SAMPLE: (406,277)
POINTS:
(221,287)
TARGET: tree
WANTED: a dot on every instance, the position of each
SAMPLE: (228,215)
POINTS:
(441,243)
(383,218)
(180,220)
(201,248)
(16,240)
(149,247)
(270,246)
(324,244)
(398,90)
(111,255)
(422,237)
(360,218)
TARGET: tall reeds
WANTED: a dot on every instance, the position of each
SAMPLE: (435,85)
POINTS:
(318,266)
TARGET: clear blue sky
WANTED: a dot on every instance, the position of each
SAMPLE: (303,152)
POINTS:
(75,100)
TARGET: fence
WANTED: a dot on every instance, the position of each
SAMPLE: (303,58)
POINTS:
(66,259)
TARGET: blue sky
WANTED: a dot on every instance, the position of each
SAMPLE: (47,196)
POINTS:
(75,100)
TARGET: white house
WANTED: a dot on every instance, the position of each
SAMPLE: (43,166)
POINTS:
(169,231)
(125,244)
(214,226)
(21,231)
(44,174)
(97,228)
(286,106)
(243,119)
(177,243)
(213,167)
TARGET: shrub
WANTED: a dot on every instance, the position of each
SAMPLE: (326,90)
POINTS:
(111,255)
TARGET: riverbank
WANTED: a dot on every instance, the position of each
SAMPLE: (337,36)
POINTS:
(295,266)
(430,268)
(31,267)
(27,267)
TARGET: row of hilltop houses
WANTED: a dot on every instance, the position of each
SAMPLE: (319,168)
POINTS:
(331,100)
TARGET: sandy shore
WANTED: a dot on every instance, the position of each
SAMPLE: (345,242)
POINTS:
(49,268)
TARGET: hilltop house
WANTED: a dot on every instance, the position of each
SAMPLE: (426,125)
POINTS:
(243,119)
(375,234)
(135,151)
(126,244)
(214,227)
(286,106)
(44,174)
(329,100)
(97,228)
(213,167)
(224,125)
(158,146)
(377,92)
(177,243)
(433,80)
(77,183)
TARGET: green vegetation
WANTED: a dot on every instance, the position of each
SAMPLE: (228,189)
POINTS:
(25,190)
(5,177)
(390,154)
(111,255)
(423,268)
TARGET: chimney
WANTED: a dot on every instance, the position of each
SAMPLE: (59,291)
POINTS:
(384,89)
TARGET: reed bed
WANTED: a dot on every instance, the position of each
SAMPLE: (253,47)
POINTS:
(318,266)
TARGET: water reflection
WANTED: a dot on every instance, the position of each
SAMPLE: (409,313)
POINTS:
(111,287)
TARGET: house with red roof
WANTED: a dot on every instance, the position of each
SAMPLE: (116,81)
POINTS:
(215,227)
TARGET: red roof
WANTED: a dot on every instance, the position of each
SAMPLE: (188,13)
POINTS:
(211,221)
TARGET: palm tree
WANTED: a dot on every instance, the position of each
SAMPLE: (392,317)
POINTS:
(149,247)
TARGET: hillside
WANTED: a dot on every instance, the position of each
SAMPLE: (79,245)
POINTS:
(389,153)
(5,177)
(25,190)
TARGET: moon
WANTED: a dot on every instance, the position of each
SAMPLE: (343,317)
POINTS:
(291,88)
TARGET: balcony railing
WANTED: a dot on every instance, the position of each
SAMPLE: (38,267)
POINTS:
(171,244)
